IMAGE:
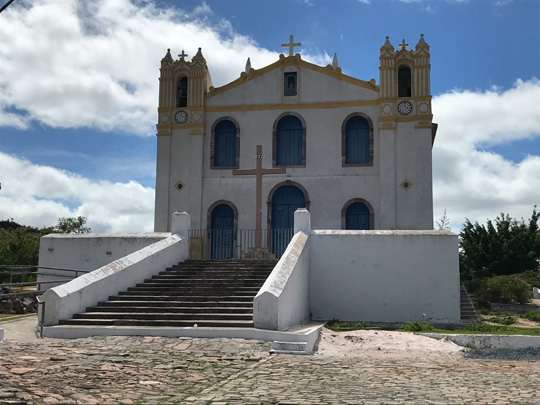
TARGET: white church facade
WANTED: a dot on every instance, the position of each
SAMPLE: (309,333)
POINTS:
(328,173)
(356,154)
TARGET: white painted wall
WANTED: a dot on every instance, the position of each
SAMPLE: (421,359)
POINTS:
(75,296)
(403,152)
(384,276)
(283,300)
(87,252)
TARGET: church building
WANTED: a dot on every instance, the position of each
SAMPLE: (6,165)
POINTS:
(241,158)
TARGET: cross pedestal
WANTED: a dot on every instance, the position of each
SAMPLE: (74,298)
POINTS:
(258,172)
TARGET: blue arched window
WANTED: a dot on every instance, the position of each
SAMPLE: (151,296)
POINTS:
(357,141)
(289,141)
(225,144)
(357,217)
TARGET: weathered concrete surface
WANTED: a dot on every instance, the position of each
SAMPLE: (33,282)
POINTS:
(283,300)
(138,370)
(489,341)
(384,276)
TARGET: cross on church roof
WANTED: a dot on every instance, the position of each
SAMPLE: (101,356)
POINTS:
(182,55)
(291,45)
(403,45)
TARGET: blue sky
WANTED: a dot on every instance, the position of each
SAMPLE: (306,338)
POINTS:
(79,81)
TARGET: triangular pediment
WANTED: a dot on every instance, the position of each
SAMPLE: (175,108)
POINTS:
(269,77)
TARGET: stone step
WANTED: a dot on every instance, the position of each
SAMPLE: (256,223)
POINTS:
(125,296)
(159,323)
(143,308)
(289,347)
(207,273)
(206,283)
(182,288)
(179,303)
(214,294)
(163,316)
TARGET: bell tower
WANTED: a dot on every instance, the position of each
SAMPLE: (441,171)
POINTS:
(405,83)
(406,135)
(182,88)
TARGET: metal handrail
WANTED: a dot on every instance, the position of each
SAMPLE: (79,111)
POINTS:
(42,304)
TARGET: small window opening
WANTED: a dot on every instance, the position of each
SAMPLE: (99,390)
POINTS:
(290,84)
(404,81)
(181,92)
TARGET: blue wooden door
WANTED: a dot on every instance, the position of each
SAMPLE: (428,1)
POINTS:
(222,232)
(289,141)
(357,217)
(285,201)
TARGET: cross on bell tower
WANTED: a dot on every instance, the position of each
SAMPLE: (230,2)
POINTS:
(182,55)
(403,45)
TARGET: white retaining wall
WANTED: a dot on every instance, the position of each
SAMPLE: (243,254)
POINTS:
(283,300)
(377,276)
(63,301)
(384,276)
(87,252)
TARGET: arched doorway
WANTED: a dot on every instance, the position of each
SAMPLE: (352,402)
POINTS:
(285,200)
(222,232)
(357,217)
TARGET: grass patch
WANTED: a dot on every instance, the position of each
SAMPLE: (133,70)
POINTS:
(339,326)
(483,329)
(503,319)
(531,316)
(416,327)
(486,311)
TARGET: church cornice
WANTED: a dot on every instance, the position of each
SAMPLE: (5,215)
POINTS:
(299,106)
(295,60)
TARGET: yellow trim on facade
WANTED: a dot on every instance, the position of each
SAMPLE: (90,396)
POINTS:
(288,106)
(294,60)
(406,118)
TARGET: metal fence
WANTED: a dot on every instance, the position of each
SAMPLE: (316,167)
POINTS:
(227,244)
(21,279)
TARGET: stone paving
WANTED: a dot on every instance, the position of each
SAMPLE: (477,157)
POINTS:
(139,370)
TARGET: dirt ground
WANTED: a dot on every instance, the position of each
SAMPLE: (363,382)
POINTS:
(377,344)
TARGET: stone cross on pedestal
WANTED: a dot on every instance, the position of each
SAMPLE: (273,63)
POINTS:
(182,55)
(291,45)
(258,172)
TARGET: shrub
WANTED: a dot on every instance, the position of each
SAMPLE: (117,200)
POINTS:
(504,289)
(531,277)
(531,316)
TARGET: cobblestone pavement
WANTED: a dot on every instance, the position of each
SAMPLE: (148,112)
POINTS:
(138,370)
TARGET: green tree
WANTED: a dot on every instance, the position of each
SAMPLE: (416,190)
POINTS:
(72,225)
(500,247)
(19,245)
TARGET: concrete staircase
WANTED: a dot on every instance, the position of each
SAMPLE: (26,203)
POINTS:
(468,312)
(202,293)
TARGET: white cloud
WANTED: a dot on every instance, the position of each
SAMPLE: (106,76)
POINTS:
(72,64)
(38,195)
(472,182)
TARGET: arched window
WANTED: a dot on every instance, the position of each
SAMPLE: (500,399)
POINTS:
(358,142)
(357,214)
(404,81)
(182,92)
(225,144)
(289,142)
